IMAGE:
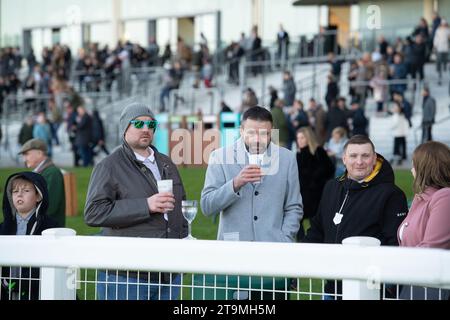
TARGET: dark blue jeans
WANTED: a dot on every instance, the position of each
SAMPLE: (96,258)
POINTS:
(85,155)
(118,287)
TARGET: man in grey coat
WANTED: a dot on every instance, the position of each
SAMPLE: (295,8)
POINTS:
(428,114)
(256,202)
(123,198)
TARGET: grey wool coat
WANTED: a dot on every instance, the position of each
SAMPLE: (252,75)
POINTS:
(268,211)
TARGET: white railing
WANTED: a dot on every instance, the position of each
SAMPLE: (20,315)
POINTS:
(359,262)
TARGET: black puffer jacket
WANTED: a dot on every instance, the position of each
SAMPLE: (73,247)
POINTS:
(374,208)
(12,289)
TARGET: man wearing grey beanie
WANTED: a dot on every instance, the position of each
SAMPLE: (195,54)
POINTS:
(123,199)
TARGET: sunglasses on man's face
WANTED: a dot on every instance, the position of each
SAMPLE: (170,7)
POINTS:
(139,124)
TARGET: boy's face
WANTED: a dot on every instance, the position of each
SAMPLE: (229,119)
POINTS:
(25,196)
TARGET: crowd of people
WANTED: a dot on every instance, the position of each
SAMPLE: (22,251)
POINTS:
(334,176)
(264,200)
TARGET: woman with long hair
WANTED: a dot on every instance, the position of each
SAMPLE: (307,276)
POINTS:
(428,222)
(315,169)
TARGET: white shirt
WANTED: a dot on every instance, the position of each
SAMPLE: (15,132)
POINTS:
(150,163)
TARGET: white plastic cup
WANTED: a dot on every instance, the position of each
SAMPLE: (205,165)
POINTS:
(256,159)
(165,186)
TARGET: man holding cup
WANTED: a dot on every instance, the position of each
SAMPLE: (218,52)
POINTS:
(136,192)
(254,185)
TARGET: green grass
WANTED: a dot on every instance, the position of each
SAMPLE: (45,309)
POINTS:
(203,227)
(193,179)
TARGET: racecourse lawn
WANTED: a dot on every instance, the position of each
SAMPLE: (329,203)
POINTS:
(203,228)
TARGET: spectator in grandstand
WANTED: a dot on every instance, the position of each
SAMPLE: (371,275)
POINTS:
(83,135)
(362,76)
(256,202)
(364,202)
(336,66)
(256,53)
(428,114)
(273,96)
(280,122)
(418,56)
(289,88)
(380,88)
(249,100)
(25,202)
(172,80)
(297,118)
(26,131)
(358,120)
(42,131)
(351,77)
(98,134)
(317,118)
(207,73)
(422,29)
(282,44)
(337,116)
(71,124)
(3,93)
(428,222)
(406,106)
(123,199)
(399,131)
(332,91)
(56,120)
(435,23)
(440,42)
(382,45)
(234,55)
(315,168)
(398,73)
(335,149)
(34,153)
(224,107)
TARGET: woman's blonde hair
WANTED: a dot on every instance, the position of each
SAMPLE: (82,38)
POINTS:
(310,137)
(340,131)
(431,161)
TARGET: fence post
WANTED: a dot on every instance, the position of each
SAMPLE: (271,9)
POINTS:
(58,283)
(362,289)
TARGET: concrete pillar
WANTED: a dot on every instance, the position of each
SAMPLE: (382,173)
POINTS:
(428,8)
(366,289)
(257,9)
(118,29)
(58,283)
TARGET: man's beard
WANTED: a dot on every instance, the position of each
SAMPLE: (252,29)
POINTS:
(140,145)
(257,148)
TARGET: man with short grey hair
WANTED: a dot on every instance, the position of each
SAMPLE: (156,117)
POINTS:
(35,156)
(123,198)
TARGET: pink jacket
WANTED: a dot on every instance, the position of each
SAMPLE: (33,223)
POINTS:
(428,221)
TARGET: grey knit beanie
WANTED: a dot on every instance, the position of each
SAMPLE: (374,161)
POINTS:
(131,112)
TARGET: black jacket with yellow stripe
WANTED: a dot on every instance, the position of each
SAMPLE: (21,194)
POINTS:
(373,208)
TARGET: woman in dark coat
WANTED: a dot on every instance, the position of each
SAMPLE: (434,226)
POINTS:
(315,168)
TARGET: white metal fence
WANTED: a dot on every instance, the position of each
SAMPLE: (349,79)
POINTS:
(90,267)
